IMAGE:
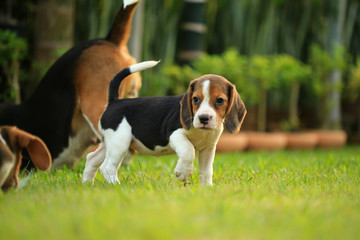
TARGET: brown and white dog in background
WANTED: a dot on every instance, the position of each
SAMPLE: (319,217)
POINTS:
(12,141)
(184,124)
(66,106)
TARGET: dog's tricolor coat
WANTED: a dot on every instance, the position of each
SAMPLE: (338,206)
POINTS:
(183,124)
(12,141)
(66,107)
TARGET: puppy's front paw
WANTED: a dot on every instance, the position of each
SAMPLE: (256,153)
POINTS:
(109,175)
(183,173)
(113,179)
(86,179)
(88,175)
(206,180)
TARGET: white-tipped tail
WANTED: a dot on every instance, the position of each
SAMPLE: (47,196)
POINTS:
(116,81)
(129,2)
(142,66)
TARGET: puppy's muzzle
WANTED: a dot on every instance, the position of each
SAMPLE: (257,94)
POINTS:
(204,119)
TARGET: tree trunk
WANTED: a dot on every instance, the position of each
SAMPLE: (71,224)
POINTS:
(53,31)
(54,28)
(192,31)
(333,101)
(136,37)
(358,119)
(293,107)
(15,81)
(262,109)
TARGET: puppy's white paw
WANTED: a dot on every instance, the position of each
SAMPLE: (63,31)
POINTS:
(88,176)
(86,179)
(113,180)
(109,175)
(183,173)
(206,180)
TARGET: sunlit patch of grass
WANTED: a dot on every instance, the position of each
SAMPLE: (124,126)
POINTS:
(256,195)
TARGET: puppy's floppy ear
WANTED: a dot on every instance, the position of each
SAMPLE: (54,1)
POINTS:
(186,111)
(235,112)
(37,149)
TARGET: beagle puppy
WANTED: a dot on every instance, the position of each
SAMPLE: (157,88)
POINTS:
(66,106)
(184,124)
(12,141)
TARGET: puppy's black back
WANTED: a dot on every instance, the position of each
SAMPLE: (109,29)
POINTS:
(152,119)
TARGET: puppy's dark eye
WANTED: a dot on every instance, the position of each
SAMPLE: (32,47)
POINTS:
(219,101)
(196,100)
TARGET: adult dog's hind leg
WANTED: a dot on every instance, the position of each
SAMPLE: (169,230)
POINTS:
(76,149)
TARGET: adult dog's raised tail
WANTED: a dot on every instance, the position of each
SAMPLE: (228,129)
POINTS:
(116,81)
(120,31)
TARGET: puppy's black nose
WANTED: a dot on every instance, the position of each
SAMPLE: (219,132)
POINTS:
(204,119)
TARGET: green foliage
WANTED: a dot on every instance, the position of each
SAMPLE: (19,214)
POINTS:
(289,70)
(247,73)
(161,20)
(353,87)
(178,77)
(255,76)
(93,19)
(279,26)
(260,71)
(233,67)
(12,50)
(323,63)
(257,195)
(230,65)
(290,73)
(171,79)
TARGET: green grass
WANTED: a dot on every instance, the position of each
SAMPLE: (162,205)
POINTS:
(256,195)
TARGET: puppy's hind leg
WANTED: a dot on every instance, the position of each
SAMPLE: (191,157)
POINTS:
(110,167)
(117,144)
(93,162)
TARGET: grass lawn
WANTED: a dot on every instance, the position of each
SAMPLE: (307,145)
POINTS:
(256,195)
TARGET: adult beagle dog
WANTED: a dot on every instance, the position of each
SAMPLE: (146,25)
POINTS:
(66,106)
(12,141)
(184,124)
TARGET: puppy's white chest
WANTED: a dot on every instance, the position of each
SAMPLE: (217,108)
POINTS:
(203,139)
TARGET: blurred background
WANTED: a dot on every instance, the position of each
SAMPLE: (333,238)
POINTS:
(295,63)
